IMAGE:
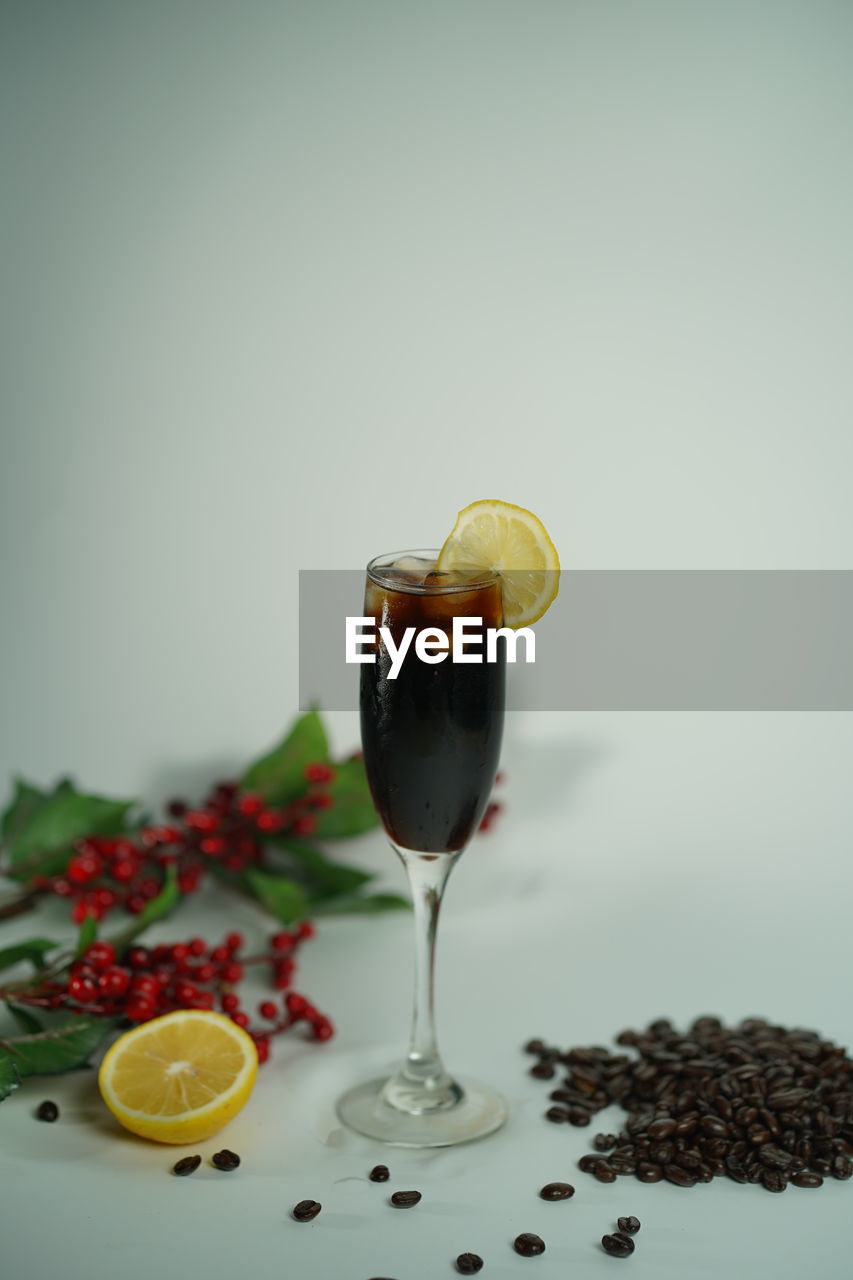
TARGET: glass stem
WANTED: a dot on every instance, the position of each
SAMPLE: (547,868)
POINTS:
(423,1084)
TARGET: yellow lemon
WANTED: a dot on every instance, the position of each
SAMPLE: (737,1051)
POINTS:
(179,1078)
(513,542)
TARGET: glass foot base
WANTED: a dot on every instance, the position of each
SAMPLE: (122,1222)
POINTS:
(480,1111)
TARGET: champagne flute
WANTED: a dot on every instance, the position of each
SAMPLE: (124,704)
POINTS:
(431,739)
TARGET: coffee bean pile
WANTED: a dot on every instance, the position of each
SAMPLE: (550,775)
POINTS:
(756,1103)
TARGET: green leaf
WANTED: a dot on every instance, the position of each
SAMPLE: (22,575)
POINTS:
(33,950)
(41,842)
(27,1021)
(154,910)
(283,897)
(352,811)
(323,876)
(10,1077)
(88,933)
(359,904)
(60,1049)
(25,801)
(279,776)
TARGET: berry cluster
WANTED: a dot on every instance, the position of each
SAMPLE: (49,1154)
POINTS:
(149,981)
(228,829)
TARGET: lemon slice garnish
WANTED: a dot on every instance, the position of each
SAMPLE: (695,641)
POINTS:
(180,1077)
(513,542)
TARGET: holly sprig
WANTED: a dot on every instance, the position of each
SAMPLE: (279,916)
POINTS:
(262,836)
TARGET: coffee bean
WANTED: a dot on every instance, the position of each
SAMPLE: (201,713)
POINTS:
(535,1046)
(604,1141)
(557,1191)
(774,1157)
(379,1173)
(805,1179)
(680,1177)
(841,1168)
(226,1160)
(774,1179)
(186,1166)
(662,1128)
(647,1172)
(587,1164)
(468,1264)
(618,1245)
(528,1244)
(405,1199)
(47,1111)
(558,1115)
(306,1210)
(629,1225)
(543,1071)
(578,1116)
(604,1171)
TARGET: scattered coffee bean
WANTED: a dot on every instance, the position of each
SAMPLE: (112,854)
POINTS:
(468,1264)
(405,1199)
(306,1210)
(186,1166)
(543,1071)
(618,1245)
(557,1191)
(535,1046)
(226,1160)
(807,1180)
(379,1173)
(557,1115)
(630,1226)
(742,1102)
(528,1244)
(48,1111)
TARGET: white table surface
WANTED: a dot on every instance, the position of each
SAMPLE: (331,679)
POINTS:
(646,866)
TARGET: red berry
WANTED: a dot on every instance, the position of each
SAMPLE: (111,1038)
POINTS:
(189,879)
(144,984)
(179,953)
(114,981)
(150,887)
(304,824)
(82,988)
(270,820)
(319,772)
(61,887)
(205,972)
(105,898)
(250,804)
(84,867)
(186,992)
(219,955)
(230,1002)
(124,869)
(306,930)
(139,957)
(197,946)
(213,846)
(282,941)
(232,972)
(204,1000)
(136,903)
(295,1004)
(201,820)
(80,911)
(268,1010)
(263,1047)
(322,1029)
(234,941)
(139,1009)
(242,1019)
(100,954)
(321,800)
(234,862)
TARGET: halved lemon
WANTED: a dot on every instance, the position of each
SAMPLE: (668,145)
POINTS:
(181,1077)
(512,541)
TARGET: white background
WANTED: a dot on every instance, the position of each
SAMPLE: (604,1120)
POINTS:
(284,286)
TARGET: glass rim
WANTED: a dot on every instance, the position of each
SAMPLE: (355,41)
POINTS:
(387,560)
